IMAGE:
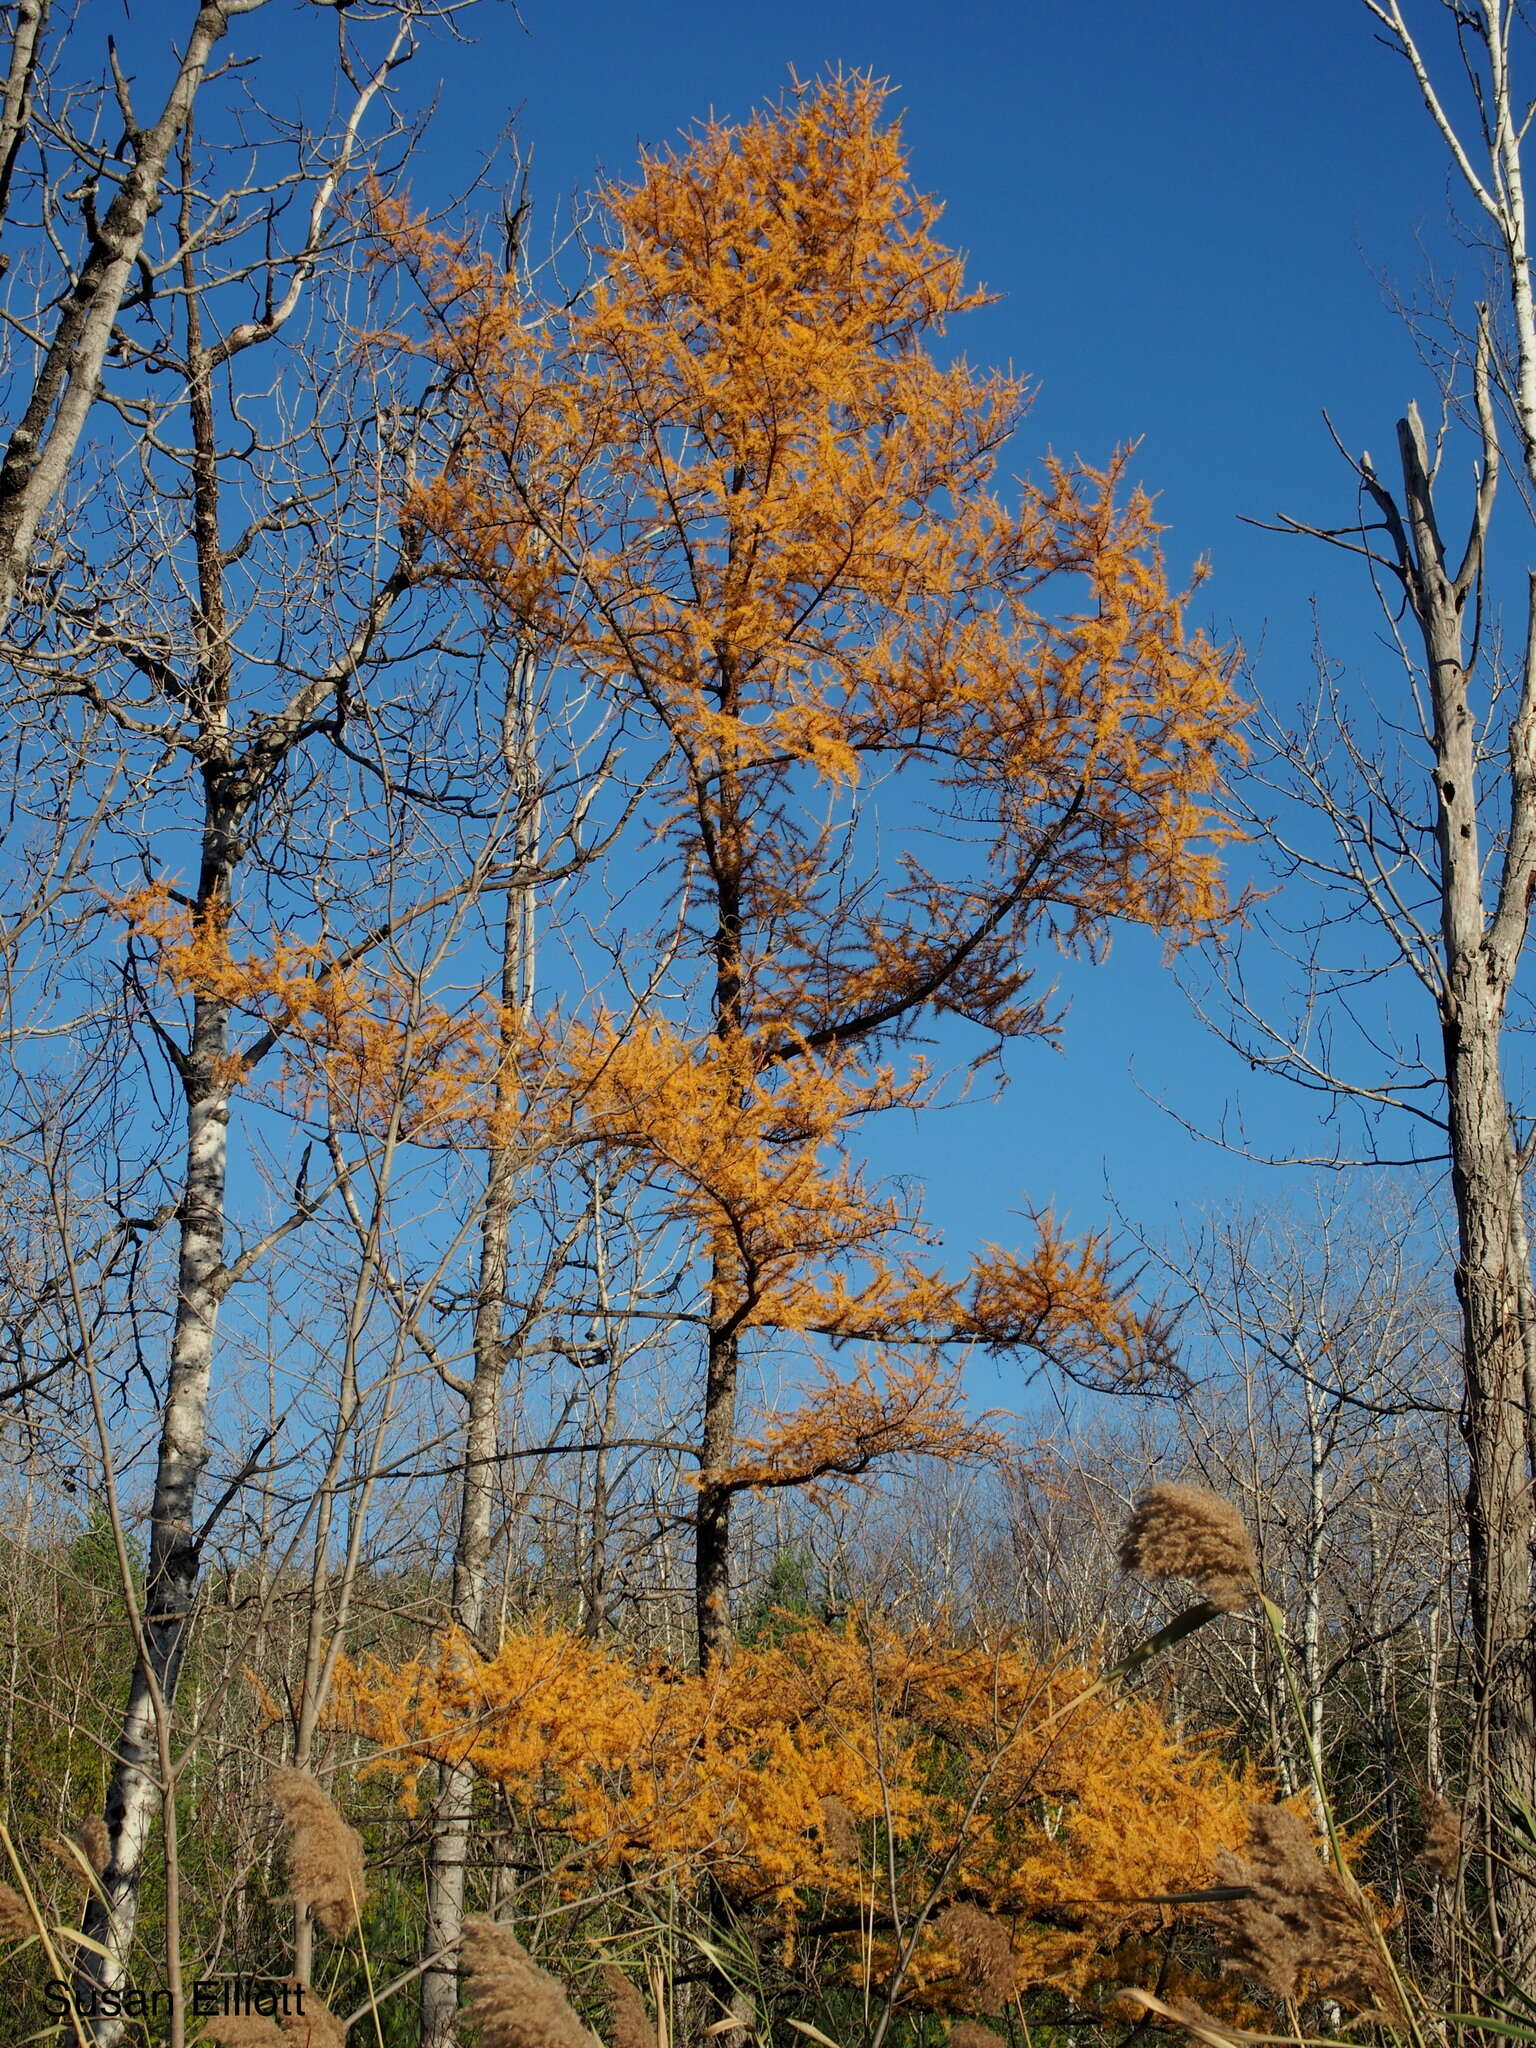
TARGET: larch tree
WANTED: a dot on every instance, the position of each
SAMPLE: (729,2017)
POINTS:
(777,1774)
(899,729)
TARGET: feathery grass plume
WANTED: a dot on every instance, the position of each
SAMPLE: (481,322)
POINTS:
(90,1840)
(95,1843)
(242,2030)
(1184,1532)
(513,2002)
(968,2034)
(325,1856)
(16,1922)
(316,2027)
(839,1832)
(1301,1926)
(1443,1836)
(988,1973)
(629,2024)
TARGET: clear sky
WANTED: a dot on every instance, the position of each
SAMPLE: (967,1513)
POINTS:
(1192,212)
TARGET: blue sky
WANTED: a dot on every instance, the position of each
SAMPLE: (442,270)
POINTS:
(1189,211)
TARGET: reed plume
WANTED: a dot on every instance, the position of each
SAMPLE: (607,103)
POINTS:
(1302,1925)
(839,1832)
(988,1973)
(513,2002)
(1184,1532)
(316,2027)
(971,2034)
(1443,1836)
(325,1856)
(16,1921)
(94,1843)
(243,2030)
(629,2024)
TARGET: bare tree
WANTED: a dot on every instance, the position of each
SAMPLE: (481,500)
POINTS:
(482,1395)
(67,341)
(1428,825)
(217,607)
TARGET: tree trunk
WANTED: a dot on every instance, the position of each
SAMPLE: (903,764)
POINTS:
(135,1792)
(595,1575)
(171,1582)
(477,1487)
(1493,1291)
(1487,1194)
(712,1547)
(1312,1590)
(44,439)
(723,839)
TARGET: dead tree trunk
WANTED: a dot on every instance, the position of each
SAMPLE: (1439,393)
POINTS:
(1479,951)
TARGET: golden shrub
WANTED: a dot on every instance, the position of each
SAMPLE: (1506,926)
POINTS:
(1066,1812)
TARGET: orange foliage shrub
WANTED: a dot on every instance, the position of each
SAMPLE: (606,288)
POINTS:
(781,1773)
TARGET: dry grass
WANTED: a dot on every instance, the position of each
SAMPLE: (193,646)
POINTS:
(1303,1928)
(512,2001)
(1184,1532)
(325,1856)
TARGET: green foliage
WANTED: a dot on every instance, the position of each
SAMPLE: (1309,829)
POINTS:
(794,1592)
